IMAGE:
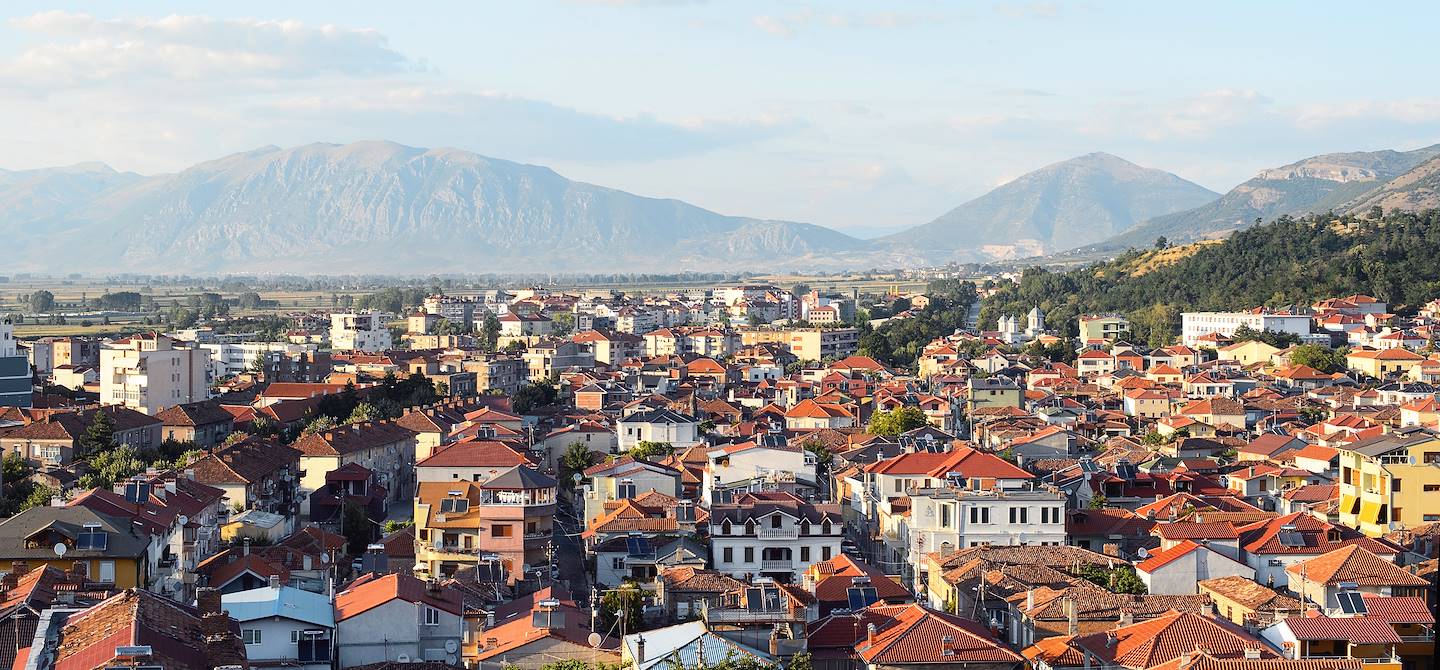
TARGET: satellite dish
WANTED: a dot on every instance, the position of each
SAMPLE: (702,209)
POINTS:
(1144,553)
(324,557)
(576,477)
(595,640)
(60,549)
(182,519)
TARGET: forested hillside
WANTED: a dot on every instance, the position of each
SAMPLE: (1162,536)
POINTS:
(1288,261)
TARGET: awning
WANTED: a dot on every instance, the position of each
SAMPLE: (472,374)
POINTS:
(1369,512)
(1349,504)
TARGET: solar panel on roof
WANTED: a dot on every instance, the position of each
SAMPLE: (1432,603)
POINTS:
(772,599)
(1352,603)
(860,597)
(754,600)
(1291,538)
(637,546)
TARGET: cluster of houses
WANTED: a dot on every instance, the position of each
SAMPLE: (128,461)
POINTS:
(698,493)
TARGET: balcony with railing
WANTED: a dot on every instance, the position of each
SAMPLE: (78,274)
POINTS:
(777,565)
(789,533)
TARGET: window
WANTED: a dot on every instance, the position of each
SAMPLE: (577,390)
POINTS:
(107,572)
(775,520)
(1395,485)
(1014,513)
(899,486)
(944,516)
(749,554)
(617,562)
(974,515)
(825,553)
(805,554)
(1395,515)
(729,555)
(250,635)
(1432,488)
(432,616)
(1024,515)
(294,636)
(502,530)
(825,528)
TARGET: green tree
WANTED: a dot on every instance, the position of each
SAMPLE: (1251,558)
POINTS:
(1321,358)
(355,525)
(364,412)
(647,450)
(897,421)
(320,424)
(489,331)
(249,300)
(1098,502)
(99,435)
(562,323)
(576,458)
(532,395)
(39,496)
(42,301)
(626,602)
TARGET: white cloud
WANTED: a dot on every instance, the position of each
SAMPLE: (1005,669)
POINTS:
(790,25)
(86,48)
(1411,111)
(179,89)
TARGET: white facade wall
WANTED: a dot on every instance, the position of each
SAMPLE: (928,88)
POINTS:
(364,331)
(397,628)
(150,375)
(1179,577)
(787,549)
(1194,325)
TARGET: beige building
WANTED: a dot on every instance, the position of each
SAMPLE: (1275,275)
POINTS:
(150,372)
(808,344)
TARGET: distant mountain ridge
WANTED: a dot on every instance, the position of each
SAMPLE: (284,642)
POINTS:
(379,207)
(1060,206)
(1316,184)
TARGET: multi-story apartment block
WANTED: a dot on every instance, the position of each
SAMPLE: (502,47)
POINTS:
(549,357)
(611,348)
(1108,327)
(360,331)
(773,534)
(282,357)
(807,344)
(497,372)
(384,448)
(459,311)
(507,518)
(948,518)
(1195,325)
(15,380)
(1390,482)
(150,372)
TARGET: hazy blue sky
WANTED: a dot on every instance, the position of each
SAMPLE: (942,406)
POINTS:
(848,114)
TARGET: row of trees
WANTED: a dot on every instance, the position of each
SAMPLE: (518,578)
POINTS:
(1291,261)
(899,342)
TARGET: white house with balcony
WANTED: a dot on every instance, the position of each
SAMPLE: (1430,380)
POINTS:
(775,535)
(951,518)
(751,466)
(657,425)
(150,372)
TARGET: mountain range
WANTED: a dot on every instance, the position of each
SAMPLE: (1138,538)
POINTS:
(1061,206)
(381,207)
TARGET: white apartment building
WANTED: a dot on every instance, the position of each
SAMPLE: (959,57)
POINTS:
(148,373)
(15,386)
(459,311)
(1195,325)
(235,358)
(362,331)
(948,519)
(773,535)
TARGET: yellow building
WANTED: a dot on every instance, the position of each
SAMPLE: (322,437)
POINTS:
(1390,482)
(808,344)
(1382,363)
(110,549)
(1248,352)
(1103,327)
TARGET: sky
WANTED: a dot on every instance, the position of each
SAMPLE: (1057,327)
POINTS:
(861,116)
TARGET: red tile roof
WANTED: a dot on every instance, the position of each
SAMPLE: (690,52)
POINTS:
(370,592)
(1357,630)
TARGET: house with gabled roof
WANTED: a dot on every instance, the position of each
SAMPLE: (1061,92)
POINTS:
(380,618)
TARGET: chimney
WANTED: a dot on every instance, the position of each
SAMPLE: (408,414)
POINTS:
(274,581)
(1072,616)
(639,650)
(1207,610)
(1252,653)
(775,642)
(1030,600)
(489,620)
(1127,616)
(869,634)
